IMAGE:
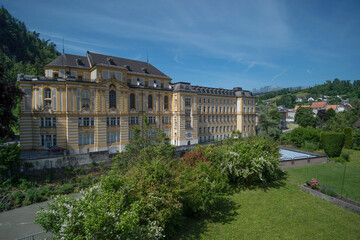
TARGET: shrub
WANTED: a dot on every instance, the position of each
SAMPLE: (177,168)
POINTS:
(33,195)
(251,160)
(46,191)
(356,138)
(25,184)
(4,206)
(332,142)
(201,187)
(300,135)
(86,181)
(348,141)
(108,210)
(65,188)
(328,191)
(346,156)
(17,198)
(10,158)
(310,146)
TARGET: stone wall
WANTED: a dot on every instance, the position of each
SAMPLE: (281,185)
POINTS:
(303,162)
(74,160)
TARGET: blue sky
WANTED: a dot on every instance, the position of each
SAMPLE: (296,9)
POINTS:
(249,44)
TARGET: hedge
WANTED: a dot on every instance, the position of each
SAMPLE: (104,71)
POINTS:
(332,142)
(348,138)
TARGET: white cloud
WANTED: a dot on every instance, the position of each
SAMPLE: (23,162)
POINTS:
(176,59)
(279,75)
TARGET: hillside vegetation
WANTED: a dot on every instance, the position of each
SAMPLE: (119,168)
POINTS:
(22,51)
(332,89)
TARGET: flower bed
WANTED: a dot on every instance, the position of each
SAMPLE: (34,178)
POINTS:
(340,201)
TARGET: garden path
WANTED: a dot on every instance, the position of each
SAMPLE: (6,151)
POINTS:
(20,222)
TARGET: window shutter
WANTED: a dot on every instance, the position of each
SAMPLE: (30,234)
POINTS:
(105,74)
(93,100)
(40,98)
(78,98)
(54,99)
(118,76)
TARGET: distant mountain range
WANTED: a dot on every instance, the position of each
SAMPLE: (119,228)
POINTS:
(266,89)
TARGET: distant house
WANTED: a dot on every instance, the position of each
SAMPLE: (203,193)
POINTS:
(316,106)
(335,107)
(310,99)
(299,99)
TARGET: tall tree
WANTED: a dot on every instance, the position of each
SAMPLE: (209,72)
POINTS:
(305,117)
(22,51)
(9,97)
(269,121)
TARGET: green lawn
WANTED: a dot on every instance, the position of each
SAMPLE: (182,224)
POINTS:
(282,212)
(292,125)
(354,157)
(329,174)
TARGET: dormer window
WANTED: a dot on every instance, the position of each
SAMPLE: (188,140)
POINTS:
(79,62)
(127,67)
(144,69)
(111,61)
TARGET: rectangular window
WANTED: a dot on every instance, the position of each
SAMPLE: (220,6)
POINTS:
(187,102)
(86,122)
(187,112)
(48,103)
(188,124)
(152,120)
(54,122)
(47,122)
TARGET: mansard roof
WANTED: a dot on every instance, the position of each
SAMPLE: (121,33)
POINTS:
(95,59)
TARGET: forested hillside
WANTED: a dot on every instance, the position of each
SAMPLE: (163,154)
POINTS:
(287,97)
(22,51)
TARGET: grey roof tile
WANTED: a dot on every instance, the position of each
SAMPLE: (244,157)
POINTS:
(95,59)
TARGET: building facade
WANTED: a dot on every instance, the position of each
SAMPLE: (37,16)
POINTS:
(90,103)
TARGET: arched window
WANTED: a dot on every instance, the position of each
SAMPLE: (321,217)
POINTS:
(166,102)
(112,99)
(85,98)
(132,101)
(150,102)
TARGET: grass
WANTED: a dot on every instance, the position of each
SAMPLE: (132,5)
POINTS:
(292,125)
(329,174)
(354,157)
(281,212)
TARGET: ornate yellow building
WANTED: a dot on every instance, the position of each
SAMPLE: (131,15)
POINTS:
(90,103)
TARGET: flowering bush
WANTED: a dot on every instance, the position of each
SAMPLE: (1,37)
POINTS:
(105,211)
(251,160)
(314,183)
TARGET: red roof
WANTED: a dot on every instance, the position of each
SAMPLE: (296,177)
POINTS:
(296,107)
(332,106)
(318,104)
